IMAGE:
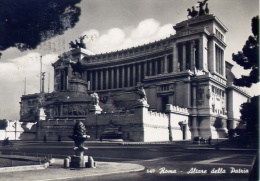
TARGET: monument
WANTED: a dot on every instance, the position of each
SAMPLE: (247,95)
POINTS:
(132,87)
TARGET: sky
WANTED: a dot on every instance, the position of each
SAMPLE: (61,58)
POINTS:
(112,25)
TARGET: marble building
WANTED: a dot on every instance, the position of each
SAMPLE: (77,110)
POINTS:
(186,70)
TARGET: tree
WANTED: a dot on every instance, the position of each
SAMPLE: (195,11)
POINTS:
(24,24)
(250,114)
(248,57)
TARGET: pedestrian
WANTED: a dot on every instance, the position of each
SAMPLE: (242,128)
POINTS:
(59,138)
(209,140)
(101,138)
(44,138)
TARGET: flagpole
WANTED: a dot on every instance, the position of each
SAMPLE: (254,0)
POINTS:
(40,74)
(49,82)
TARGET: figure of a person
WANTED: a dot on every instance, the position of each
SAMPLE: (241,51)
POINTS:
(44,138)
(209,140)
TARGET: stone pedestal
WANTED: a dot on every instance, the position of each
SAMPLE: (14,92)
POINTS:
(78,161)
(96,109)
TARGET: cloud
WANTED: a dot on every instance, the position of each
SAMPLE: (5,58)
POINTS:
(115,39)
(13,74)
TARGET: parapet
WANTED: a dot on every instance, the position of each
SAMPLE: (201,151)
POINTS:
(176,109)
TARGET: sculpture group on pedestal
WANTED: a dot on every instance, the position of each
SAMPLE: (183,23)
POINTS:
(79,160)
(201,11)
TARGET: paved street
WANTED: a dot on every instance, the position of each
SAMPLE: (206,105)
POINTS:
(162,162)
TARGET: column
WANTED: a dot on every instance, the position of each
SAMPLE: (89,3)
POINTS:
(203,53)
(223,64)
(162,64)
(217,59)
(91,80)
(123,76)
(212,56)
(112,78)
(183,56)
(117,77)
(150,68)
(96,79)
(145,69)
(107,79)
(192,55)
(194,127)
(156,67)
(101,79)
(165,64)
(194,99)
(128,76)
(194,110)
(139,72)
(134,74)
(175,57)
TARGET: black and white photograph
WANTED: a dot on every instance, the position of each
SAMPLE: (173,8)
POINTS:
(129,90)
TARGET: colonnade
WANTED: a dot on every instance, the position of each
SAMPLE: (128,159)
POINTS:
(61,79)
(127,75)
(219,60)
(186,55)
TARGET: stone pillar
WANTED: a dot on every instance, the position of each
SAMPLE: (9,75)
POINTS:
(151,68)
(192,55)
(165,64)
(101,79)
(203,53)
(223,64)
(96,79)
(194,128)
(112,78)
(141,112)
(128,76)
(156,67)
(107,78)
(145,69)
(212,56)
(183,56)
(194,92)
(95,109)
(139,72)
(134,74)
(123,76)
(91,80)
(175,57)
(117,77)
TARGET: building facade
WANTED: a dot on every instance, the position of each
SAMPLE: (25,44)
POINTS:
(186,70)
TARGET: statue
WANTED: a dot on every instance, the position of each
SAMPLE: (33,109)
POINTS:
(79,44)
(95,99)
(192,13)
(142,94)
(201,10)
(77,68)
(206,9)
